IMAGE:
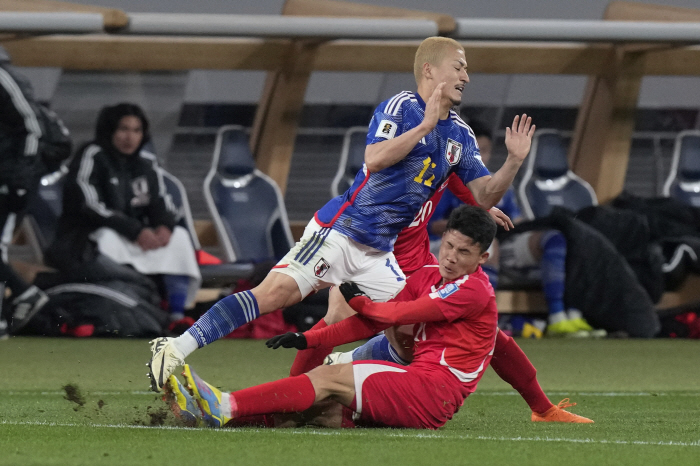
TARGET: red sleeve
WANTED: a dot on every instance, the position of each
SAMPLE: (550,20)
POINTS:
(459,189)
(456,301)
(422,309)
(346,331)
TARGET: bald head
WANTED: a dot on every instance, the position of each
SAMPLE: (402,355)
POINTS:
(433,50)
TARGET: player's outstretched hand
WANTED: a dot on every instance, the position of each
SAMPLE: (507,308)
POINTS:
(519,137)
(288,340)
(350,290)
(501,218)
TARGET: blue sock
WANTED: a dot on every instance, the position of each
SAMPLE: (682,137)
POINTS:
(224,317)
(492,272)
(553,266)
(176,287)
(378,349)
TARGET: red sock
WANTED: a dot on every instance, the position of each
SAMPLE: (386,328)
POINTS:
(293,394)
(310,358)
(513,366)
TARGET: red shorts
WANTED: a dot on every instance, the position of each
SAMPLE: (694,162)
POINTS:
(391,395)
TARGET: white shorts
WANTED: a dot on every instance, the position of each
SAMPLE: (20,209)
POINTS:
(324,257)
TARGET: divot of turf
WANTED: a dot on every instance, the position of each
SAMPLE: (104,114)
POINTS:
(73,394)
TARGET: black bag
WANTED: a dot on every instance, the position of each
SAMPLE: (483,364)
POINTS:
(111,309)
(55,144)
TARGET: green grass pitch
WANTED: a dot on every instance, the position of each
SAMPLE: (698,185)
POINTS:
(644,396)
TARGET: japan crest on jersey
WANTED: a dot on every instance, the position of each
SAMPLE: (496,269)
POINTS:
(321,268)
(453,152)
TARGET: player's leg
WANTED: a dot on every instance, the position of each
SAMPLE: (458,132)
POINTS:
(375,272)
(308,359)
(513,366)
(394,345)
(293,278)
(290,395)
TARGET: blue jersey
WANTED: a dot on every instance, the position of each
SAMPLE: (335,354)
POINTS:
(379,205)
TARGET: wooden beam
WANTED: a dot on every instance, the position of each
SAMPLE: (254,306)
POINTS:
(150,53)
(113,18)
(333,8)
(146,53)
(277,116)
(635,11)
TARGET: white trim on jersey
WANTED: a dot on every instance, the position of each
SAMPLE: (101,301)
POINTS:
(463,376)
(31,145)
(92,200)
(392,107)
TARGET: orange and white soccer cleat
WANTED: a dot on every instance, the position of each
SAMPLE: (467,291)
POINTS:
(557,413)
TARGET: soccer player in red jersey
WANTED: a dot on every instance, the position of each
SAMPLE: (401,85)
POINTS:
(412,252)
(453,309)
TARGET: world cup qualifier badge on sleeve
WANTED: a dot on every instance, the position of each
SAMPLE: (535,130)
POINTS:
(386,129)
(453,151)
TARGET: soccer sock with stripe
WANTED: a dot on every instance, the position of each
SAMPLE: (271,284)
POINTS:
(221,319)
(553,266)
(513,366)
(378,349)
(308,359)
(290,395)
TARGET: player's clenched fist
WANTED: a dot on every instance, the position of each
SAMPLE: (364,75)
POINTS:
(288,340)
(350,290)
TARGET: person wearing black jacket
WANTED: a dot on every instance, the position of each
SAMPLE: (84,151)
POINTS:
(116,210)
(20,133)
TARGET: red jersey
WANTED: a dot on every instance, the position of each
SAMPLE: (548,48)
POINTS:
(463,342)
(412,247)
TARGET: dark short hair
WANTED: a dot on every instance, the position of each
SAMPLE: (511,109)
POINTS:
(474,222)
(108,122)
(480,129)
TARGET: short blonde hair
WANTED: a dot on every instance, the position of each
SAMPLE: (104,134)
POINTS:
(432,50)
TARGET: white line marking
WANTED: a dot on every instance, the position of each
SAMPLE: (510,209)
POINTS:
(386,433)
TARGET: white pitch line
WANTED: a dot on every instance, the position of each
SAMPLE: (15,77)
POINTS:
(386,433)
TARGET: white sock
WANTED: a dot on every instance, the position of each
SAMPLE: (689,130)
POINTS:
(186,344)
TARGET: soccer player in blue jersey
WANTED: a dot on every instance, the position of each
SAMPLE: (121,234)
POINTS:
(415,141)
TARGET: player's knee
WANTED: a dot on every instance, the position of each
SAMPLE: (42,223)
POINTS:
(275,292)
(332,381)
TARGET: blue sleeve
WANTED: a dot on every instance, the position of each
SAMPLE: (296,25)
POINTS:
(387,121)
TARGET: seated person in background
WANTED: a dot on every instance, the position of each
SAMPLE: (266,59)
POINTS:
(531,256)
(116,211)
(20,135)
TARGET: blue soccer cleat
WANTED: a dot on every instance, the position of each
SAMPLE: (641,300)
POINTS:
(208,398)
(181,403)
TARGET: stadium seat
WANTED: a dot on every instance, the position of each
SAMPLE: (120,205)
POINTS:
(549,182)
(214,275)
(246,205)
(351,159)
(683,182)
